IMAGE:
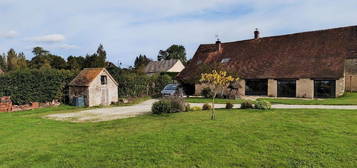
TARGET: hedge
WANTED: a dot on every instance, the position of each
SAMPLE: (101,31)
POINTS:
(27,86)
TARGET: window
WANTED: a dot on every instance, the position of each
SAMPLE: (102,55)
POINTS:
(286,88)
(256,87)
(225,60)
(199,62)
(103,80)
(325,88)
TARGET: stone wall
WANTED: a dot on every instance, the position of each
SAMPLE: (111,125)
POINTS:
(340,87)
(305,88)
(351,83)
(97,92)
(272,88)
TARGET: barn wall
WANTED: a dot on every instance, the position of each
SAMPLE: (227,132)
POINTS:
(272,88)
(340,86)
(305,88)
(351,83)
(95,91)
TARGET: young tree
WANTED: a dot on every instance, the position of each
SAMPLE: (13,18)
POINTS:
(141,61)
(219,81)
(173,52)
(11,60)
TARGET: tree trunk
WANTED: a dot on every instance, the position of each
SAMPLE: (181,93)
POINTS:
(213,113)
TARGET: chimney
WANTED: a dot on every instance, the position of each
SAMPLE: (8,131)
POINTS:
(256,33)
(218,42)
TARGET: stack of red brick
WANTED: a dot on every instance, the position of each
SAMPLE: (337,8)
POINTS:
(5,104)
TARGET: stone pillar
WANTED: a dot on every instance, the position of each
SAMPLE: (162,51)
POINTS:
(272,88)
(340,87)
(241,89)
(305,88)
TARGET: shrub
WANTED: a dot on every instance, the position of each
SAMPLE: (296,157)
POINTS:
(178,104)
(206,92)
(187,107)
(162,106)
(247,104)
(206,107)
(196,108)
(262,105)
(229,105)
(35,85)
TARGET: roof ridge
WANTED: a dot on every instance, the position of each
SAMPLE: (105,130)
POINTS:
(286,35)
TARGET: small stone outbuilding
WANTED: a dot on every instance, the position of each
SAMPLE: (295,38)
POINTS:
(96,86)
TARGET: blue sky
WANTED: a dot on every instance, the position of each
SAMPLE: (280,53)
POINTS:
(128,28)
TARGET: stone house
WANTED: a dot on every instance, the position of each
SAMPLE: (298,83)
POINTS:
(96,85)
(156,67)
(315,64)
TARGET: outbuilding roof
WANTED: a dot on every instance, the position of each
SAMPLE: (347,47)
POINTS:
(160,66)
(87,75)
(315,54)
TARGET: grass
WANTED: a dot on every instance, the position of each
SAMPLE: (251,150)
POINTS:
(347,99)
(209,100)
(238,138)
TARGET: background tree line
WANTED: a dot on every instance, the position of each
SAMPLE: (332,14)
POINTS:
(45,77)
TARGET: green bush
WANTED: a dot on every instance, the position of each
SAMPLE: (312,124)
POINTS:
(35,85)
(206,107)
(262,105)
(229,105)
(206,92)
(196,108)
(178,104)
(187,107)
(162,106)
(247,104)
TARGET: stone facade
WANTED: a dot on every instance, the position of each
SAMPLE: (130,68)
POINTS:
(305,88)
(340,87)
(351,83)
(272,88)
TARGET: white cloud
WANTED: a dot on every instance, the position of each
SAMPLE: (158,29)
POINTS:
(67,46)
(9,34)
(51,38)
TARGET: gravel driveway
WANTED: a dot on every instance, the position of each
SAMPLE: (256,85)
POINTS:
(105,114)
(113,113)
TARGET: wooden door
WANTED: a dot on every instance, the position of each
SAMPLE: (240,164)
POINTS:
(105,97)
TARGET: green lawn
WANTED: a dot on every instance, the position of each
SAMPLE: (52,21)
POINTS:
(347,99)
(238,138)
(209,100)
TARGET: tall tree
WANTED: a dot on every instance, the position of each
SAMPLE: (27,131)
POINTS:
(38,51)
(3,65)
(11,60)
(75,63)
(96,60)
(173,52)
(22,63)
(141,61)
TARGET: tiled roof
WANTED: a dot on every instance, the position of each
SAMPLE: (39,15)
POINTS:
(86,76)
(160,66)
(315,54)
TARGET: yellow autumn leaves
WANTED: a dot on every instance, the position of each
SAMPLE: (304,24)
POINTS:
(219,78)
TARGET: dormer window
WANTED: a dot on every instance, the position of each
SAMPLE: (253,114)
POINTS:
(225,60)
(199,62)
(103,80)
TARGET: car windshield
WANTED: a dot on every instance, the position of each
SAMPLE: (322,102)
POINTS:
(171,87)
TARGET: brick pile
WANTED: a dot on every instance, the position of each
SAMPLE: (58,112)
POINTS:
(5,104)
